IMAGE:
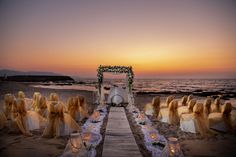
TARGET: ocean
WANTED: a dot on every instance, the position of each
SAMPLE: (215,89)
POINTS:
(201,87)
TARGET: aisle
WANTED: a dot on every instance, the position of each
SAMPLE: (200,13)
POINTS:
(119,140)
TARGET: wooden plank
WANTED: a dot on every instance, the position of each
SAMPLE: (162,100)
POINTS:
(119,140)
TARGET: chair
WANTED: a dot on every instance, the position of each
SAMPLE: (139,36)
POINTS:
(221,121)
(42,108)
(53,97)
(187,109)
(19,115)
(153,109)
(73,108)
(233,118)
(184,100)
(3,120)
(9,100)
(195,122)
(21,94)
(36,97)
(28,102)
(83,108)
(190,97)
(59,123)
(216,105)
(170,115)
(168,100)
(207,107)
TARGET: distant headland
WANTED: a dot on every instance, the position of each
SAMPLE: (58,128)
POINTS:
(33,76)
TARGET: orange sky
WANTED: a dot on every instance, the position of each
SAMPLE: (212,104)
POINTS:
(158,38)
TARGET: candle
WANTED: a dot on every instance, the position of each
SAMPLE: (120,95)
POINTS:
(91,127)
(153,136)
(141,117)
(96,115)
(172,151)
(174,147)
(75,142)
(87,136)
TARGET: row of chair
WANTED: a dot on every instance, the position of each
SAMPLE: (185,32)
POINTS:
(53,115)
(192,115)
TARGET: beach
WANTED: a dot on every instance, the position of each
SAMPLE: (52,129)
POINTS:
(19,145)
(16,145)
(118,78)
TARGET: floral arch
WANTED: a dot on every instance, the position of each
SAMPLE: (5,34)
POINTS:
(116,69)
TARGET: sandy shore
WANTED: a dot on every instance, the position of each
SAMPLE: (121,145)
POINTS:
(222,144)
(15,145)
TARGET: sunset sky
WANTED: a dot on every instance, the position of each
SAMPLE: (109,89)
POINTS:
(159,38)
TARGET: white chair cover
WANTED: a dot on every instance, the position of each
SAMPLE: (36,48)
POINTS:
(165,119)
(149,110)
(188,126)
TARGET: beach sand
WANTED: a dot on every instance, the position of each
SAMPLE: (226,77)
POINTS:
(15,145)
(222,144)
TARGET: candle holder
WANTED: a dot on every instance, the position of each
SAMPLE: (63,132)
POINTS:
(90,128)
(95,117)
(174,147)
(75,142)
(87,136)
(153,136)
(80,146)
(141,118)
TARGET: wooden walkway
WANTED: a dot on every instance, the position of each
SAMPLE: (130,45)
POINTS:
(119,140)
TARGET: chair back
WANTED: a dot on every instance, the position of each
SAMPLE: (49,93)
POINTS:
(169,99)
(184,100)
(173,112)
(191,104)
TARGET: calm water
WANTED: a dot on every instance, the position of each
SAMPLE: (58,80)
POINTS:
(198,86)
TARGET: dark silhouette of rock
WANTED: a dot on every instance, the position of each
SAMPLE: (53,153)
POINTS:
(37,78)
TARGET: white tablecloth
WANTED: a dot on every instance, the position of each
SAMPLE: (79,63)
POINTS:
(147,129)
(94,128)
